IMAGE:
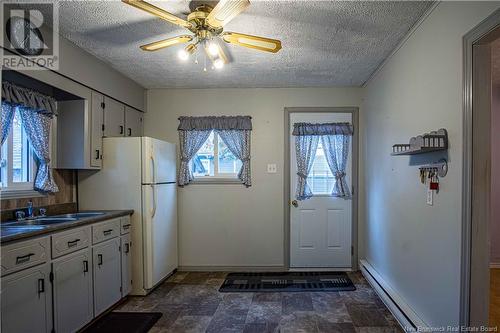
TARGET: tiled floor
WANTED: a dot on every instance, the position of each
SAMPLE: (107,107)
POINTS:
(190,302)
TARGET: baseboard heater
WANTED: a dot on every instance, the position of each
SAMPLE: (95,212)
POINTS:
(406,317)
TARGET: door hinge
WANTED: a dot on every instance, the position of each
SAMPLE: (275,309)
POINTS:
(352,250)
(102,126)
(51,277)
(103,105)
(120,248)
(121,289)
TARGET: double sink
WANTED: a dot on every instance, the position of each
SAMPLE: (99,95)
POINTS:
(42,222)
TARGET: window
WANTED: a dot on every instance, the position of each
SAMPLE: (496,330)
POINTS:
(17,164)
(320,178)
(215,160)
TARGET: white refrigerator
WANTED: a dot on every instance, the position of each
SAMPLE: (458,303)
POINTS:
(139,173)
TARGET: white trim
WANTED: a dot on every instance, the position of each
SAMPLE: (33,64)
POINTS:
(401,43)
(404,314)
(231,269)
(320,269)
(215,181)
(494,264)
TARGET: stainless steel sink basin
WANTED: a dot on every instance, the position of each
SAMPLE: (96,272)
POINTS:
(40,221)
(82,215)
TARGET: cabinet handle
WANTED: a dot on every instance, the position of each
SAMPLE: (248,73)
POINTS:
(126,226)
(73,242)
(127,248)
(23,259)
(97,154)
(121,129)
(107,232)
(41,286)
(129,132)
(85,266)
(99,259)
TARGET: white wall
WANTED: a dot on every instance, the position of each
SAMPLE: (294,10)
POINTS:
(415,247)
(230,225)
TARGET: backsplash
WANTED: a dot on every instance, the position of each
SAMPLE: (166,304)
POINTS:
(62,200)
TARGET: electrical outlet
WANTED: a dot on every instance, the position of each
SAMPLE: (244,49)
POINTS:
(430,198)
(271,168)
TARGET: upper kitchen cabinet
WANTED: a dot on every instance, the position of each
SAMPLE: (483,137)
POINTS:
(133,122)
(97,127)
(114,118)
(121,120)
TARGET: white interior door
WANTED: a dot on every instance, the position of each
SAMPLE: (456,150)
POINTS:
(320,227)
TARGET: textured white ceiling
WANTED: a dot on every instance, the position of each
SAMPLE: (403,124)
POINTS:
(325,43)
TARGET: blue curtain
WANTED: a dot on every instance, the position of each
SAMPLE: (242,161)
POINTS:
(305,150)
(8,111)
(190,143)
(336,149)
(238,142)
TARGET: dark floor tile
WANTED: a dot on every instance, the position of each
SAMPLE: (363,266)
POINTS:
(196,278)
(177,277)
(228,321)
(170,313)
(266,297)
(190,324)
(299,322)
(264,312)
(203,308)
(296,302)
(261,328)
(328,327)
(366,315)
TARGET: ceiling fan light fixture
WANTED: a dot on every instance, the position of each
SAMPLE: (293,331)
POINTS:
(213,48)
(183,55)
(218,63)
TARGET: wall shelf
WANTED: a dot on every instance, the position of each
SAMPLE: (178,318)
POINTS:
(426,143)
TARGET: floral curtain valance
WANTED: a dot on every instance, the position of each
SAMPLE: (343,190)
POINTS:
(20,96)
(215,123)
(322,129)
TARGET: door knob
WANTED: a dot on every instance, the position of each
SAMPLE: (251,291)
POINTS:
(295,203)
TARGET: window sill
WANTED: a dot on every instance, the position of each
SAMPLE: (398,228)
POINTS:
(216,181)
(19,194)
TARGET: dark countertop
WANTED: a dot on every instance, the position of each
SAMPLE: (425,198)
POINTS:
(14,233)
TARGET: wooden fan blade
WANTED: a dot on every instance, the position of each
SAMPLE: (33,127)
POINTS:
(161,44)
(156,11)
(253,42)
(225,11)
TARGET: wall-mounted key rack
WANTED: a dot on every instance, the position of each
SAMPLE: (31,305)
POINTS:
(440,168)
(426,143)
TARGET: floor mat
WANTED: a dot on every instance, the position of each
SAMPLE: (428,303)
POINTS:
(124,322)
(287,281)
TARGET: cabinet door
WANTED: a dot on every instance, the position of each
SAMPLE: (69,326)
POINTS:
(27,301)
(133,122)
(107,274)
(97,119)
(126,265)
(114,118)
(73,297)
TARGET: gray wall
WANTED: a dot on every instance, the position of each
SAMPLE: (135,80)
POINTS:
(230,225)
(413,246)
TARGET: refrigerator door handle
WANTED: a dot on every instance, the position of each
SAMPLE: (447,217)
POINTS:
(153,168)
(153,212)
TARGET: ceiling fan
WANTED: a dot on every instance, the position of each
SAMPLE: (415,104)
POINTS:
(207,25)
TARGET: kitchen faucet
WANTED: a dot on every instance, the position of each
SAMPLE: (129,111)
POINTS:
(30,210)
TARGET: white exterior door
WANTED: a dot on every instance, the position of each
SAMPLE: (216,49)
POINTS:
(320,227)
(73,300)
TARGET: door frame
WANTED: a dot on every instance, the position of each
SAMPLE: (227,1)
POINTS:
(474,240)
(354,111)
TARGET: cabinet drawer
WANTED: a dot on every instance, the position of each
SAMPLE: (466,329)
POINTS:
(70,241)
(125,225)
(22,255)
(105,230)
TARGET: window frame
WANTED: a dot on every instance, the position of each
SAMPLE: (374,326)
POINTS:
(9,188)
(221,178)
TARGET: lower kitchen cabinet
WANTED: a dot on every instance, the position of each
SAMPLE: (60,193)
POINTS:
(107,274)
(73,296)
(126,265)
(27,301)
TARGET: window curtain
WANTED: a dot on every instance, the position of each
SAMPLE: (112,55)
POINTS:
(36,111)
(233,130)
(238,142)
(305,151)
(8,111)
(335,138)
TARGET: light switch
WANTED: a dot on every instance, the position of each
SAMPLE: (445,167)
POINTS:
(271,168)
